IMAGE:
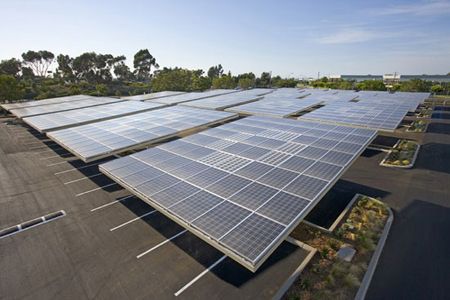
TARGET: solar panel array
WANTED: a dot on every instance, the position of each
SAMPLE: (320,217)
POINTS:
(275,106)
(152,96)
(245,185)
(101,139)
(45,102)
(190,96)
(376,116)
(224,101)
(70,105)
(59,120)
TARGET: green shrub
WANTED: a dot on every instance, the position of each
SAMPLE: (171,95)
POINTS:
(324,252)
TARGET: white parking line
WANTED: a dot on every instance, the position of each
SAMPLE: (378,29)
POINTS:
(135,219)
(58,163)
(61,155)
(96,189)
(199,276)
(114,202)
(159,245)
(79,179)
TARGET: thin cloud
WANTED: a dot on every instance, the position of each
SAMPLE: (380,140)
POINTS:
(348,36)
(433,8)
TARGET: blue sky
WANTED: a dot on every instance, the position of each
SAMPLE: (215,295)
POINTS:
(289,38)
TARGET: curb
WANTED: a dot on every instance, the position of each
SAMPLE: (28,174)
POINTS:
(300,268)
(413,161)
(365,283)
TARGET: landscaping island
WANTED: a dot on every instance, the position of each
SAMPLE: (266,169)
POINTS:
(328,276)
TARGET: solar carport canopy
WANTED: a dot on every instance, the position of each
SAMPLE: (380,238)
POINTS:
(153,96)
(360,114)
(275,106)
(45,102)
(228,100)
(65,119)
(101,139)
(245,185)
(70,105)
(190,96)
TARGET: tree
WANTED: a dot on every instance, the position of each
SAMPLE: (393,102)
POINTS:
(122,72)
(200,84)
(246,83)
(143,62)
(10,88)
(215,71)
(27,73)
(10,67)
(437,88)
(371,85)
(340,84)
(39,61)
(397,87)
(65,67)
(289,83)
(264,80)
(275,79)
(173,81)
(416,85)
(94,68)
(224,82)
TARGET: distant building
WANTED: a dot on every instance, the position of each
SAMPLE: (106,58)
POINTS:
(391,79)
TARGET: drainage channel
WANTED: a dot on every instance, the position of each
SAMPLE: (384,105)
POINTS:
(32,223)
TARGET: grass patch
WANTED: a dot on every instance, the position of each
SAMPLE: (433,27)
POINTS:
(328,277)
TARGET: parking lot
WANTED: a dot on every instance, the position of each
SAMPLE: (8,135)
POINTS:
(110,245)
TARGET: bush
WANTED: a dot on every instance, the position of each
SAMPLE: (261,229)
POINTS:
(324,252)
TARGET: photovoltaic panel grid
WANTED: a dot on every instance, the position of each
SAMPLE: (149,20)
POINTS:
(245,185)
(65,119)
(224,101)
(153,96)
(360,114)
(97,140)
(275,106)
(45,102)
(190,96)
(52,108)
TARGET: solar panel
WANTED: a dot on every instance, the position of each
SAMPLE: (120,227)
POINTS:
(224,101)
(281,103)
(152,96)
(65,106)
(180,98)
(65,119)
(97,140)
(374,110)
(45,102)
(245,205)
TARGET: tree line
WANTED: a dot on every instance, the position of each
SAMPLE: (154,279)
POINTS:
(41,75)
(412,85)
